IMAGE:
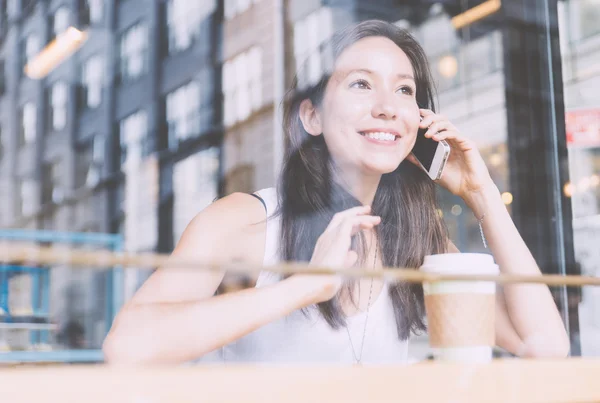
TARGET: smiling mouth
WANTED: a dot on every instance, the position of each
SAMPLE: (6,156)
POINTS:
(380,136)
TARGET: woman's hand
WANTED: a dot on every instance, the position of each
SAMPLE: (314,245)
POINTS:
(333,246)
(465,173)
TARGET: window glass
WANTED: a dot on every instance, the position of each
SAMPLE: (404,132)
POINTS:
(184,19)
(581,72)
(28,123)
(60,21)
(110,143)
(195,186)
(133,48)
(133,130)
(243,85)
(183,113)
(92,79)
(58,105)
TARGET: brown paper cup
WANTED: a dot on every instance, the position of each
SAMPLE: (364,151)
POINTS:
(460,314)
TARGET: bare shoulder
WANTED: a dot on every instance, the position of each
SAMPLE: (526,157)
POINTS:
(233,224)
(233,227)
(451,248)
(236,208)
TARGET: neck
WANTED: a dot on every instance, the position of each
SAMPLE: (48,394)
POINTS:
(360,185)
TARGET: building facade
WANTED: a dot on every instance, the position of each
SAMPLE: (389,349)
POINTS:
(124,136)
(253,72)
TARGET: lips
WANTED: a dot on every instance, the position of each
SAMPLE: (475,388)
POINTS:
(380,135)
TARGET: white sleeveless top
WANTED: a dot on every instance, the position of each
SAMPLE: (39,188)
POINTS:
(299,338)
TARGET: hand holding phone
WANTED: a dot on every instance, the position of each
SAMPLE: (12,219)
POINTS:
(432,155)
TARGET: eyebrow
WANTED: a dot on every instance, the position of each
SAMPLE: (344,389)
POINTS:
(367,71)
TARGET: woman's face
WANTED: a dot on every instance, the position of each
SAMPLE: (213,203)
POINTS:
(369,114)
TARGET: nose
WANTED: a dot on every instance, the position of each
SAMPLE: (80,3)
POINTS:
(385,108)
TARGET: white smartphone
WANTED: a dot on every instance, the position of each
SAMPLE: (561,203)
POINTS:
(432,155)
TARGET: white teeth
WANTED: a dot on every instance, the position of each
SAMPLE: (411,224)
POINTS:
(381,136)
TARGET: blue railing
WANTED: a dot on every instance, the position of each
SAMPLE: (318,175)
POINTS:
(36,319)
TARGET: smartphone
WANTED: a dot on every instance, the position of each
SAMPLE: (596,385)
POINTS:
(431,154)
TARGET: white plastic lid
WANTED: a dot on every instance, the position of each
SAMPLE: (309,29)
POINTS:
(460,263)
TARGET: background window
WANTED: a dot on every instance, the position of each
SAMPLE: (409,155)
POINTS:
(27,193)
(580,35)
(133,49)
(28,122)
(195,181)
(96,8)
(242,85)
(255,77)
(95,169)
(52,173)
(132,131)
(89,163)
(29,49)
(91,82)
(310,35)
(235,7)
(184,20)
(90,12)
(57,110)
(59,22)
(12,8)
(83,162)
(183,113)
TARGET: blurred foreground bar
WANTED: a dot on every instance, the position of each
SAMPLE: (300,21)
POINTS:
(510,380)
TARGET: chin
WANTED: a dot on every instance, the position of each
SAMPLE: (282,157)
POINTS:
(381,167)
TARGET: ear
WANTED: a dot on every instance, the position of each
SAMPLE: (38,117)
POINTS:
(309,115)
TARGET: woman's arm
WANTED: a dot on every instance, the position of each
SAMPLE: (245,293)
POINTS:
(176,332)
(173,317)
(528,321)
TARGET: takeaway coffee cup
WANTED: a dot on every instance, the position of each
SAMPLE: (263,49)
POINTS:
(460,314)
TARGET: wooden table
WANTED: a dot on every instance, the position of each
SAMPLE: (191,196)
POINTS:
(504,380)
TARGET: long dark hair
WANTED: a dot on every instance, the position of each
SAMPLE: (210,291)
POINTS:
(405,199)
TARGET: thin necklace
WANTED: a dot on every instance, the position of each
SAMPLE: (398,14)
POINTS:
(358,359)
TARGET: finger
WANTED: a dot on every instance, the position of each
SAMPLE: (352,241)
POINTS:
(459,142)
(433,129)
(438,127)
(354,211)
(447,135)
(351,258)
(426,112)
(450,127)
(431,118)
(352,225)
(427,117)
(427,121)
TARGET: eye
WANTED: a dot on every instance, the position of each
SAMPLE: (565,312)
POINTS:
(407,90)
(360,84)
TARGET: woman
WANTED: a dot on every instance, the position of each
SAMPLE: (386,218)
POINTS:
(351,136)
